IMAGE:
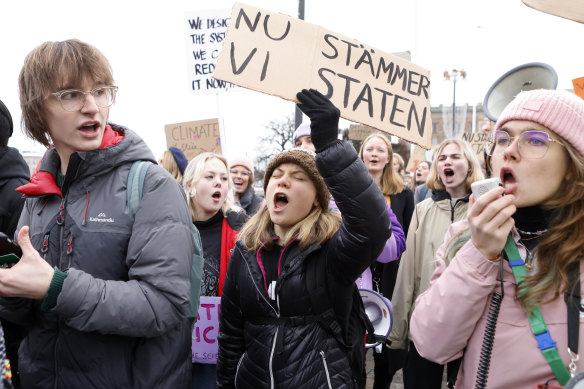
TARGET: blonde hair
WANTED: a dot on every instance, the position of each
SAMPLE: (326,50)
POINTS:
(391,182)
(167,162)
(562,244)
(53,66)
(316,227)
(475,172)
(193,174)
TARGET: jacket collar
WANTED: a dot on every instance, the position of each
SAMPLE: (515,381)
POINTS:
(43,180)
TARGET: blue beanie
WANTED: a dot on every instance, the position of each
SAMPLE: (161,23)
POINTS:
(179,158)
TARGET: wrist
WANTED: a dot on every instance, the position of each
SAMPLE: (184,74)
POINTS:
(55,287)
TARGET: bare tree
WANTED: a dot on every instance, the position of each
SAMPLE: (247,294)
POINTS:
(279,137)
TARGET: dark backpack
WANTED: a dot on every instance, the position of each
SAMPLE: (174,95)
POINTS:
(133,197)
(357,328)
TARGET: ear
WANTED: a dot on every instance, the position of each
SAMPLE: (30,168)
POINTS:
(316,203)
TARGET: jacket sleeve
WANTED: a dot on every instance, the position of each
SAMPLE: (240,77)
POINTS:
(446,313)
(15,309)
(404,292)
(156,296)
(396,244)
(366,226)
(231,341)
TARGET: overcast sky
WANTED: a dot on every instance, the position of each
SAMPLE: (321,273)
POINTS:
(145,43)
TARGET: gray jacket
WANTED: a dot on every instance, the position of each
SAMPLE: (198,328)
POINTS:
(121,318)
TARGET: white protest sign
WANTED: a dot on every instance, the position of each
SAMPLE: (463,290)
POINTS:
(280,55)
(204,32)
(204,346)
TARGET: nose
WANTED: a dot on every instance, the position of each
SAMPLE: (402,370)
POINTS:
(512,151)
(89,105)
(283,181)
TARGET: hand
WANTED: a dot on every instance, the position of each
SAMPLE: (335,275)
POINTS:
(30,277)
(490,221)
(324,117)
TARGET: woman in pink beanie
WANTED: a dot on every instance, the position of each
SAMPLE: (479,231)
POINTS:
(520,249)
(241,172)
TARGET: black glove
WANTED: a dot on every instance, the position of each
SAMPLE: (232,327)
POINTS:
(324,117)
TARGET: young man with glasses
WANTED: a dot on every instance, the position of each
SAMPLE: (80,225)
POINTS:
(241,172)
(104,293)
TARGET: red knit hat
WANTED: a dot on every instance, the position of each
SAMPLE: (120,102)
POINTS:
(560,111)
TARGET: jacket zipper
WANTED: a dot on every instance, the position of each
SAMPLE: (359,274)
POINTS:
(326,370)
(237,370)
(274,344)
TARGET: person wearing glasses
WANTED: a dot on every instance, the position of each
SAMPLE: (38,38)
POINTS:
(242,175)
(104,293)
(520,250)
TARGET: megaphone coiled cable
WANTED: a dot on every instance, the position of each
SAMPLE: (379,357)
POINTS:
(489,334)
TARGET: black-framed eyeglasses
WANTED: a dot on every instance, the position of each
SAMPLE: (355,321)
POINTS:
(74,99)
(244,173)
(531,144)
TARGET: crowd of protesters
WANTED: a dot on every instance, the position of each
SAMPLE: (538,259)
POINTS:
(117,249)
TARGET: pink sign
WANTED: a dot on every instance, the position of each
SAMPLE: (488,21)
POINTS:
(204,340)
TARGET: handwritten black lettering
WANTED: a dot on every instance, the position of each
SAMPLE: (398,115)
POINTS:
(420,124)
(348,81)
(395,109)
(199,55)
(234,68)
(383,101)
(365,59)
(198,39)
(243,15)
(327,39)
(268,34)
(195,24)
(329,86)
(349,45)
(365,91)
(204,68)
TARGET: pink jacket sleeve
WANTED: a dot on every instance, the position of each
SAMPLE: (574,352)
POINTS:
(445,315)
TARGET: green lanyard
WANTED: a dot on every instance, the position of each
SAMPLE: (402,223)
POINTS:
(544,341)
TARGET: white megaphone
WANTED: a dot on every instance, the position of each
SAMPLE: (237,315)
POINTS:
(380,312)
(534,75)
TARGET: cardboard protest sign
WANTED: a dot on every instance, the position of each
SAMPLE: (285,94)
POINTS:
(578,86)
(204,35)
(569,9)
(204,340)
(280,55)
(417,156)
(194,138)
(360,132)
(478,142)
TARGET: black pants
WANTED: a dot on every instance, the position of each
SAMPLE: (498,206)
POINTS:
(420,373)
(387,363)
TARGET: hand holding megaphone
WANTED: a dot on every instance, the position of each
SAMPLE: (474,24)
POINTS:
(31,276)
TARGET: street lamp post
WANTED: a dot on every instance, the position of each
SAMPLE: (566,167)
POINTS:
(453,75)
(298,112)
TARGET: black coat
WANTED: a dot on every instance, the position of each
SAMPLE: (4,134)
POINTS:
(14,172)
(254,350)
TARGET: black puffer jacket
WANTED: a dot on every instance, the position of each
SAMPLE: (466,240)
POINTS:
(14,172)
(254,351)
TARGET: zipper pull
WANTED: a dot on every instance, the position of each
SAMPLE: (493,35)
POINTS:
(69,246)
(60,216)
(45,246)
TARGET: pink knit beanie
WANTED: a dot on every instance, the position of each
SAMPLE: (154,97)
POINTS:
(242,160)
(560,111)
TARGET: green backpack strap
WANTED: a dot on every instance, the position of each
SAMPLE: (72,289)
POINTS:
(544,340)
(133,197)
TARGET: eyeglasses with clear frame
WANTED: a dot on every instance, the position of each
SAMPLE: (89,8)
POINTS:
(531,144)
(74,99)
(244,173)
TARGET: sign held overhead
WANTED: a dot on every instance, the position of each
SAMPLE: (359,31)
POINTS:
(280,55)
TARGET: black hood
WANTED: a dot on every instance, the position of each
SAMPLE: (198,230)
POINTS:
(12,165)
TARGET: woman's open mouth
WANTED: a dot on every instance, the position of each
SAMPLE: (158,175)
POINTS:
(280,201)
